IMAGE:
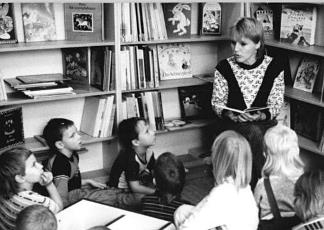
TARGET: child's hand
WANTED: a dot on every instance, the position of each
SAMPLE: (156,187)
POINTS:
(46,178)
(96,184)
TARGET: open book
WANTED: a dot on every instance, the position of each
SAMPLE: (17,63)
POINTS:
(248,110)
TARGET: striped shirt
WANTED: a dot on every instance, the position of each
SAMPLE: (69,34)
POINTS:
(10,208)
(152,206)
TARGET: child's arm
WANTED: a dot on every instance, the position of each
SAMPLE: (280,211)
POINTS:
(47,181)
(93,183)
(62,188)
(137,187)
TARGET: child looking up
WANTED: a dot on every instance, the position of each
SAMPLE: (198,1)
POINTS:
(283,166)
(169,175)
(132,168)
(36,217)
(230,203)
(64,142)
(19,171)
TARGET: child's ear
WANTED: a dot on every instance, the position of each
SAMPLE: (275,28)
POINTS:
(135,142)
(19,179)
(59,144)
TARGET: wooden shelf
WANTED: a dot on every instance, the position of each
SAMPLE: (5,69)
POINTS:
(300,95)
(192,39)
(48,45)
(171,84)
(18,98)
(313,50)
(309,145)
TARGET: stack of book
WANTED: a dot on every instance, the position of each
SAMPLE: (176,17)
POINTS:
(41,85)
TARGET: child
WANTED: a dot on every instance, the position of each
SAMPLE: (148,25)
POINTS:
(283,166)
(36,217)
(309,195)
(133,167)
(230,203)
(64,142)
(19,171)
(169,175)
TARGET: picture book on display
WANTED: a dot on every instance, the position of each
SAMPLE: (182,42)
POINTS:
(174,61)
(11,126)
(83,21)
(298,24)
(263,13)
(177,18)
(7,24)
(38,21)
(210,18)
(306,73)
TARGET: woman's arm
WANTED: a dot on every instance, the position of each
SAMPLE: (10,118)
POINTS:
(220,93)
(276,96)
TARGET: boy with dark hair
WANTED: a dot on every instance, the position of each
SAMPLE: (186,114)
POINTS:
(19,171)
(169,175)
(64,142)
(36,217)
(132,169)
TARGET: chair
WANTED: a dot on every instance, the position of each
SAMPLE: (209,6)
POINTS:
(315,224)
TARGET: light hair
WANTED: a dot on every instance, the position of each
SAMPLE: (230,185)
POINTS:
(232,157)
(309,195)
(282,153)
(36,217)
(252,29)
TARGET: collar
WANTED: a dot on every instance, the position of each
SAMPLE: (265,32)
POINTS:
(255,64)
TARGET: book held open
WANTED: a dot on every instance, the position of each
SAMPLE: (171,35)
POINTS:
(248,110)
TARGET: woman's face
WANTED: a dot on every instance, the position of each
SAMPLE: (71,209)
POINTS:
(245,50)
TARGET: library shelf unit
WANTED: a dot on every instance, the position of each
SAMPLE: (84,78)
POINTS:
(295,53)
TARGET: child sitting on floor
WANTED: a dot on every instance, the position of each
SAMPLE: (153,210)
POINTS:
(64,141)
(19,171)
(36,217)
(132,169)
(169,175)
(283,167)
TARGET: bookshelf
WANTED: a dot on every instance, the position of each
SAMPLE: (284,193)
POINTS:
(295,53)
(46,57)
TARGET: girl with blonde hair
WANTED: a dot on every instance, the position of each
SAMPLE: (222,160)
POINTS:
(230,203)
(283,167)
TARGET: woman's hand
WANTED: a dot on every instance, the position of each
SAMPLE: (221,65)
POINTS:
(46,178)
(245,117)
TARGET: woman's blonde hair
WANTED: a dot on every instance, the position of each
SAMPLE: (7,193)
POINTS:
(309,195)
(282,152)
(250,28)
(232,157)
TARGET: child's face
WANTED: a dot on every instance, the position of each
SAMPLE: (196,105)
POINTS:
(146,136)
(33,171)
(71,139)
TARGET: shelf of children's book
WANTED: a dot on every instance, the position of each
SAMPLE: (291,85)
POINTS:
(193,38)
(190,124)
(313,50)
(300,95)
(18,98)
(46,45)
(309,145)
(39,145)
(171,84)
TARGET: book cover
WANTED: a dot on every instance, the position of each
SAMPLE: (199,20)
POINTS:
(174,61)
(98,62)
(7,24)
(11,126)
(40,78)
(83,21)
(177,17)
(38,21)
(76,65)
(298,23)
(264,13)
(210,18)
(195,102)
(306,73)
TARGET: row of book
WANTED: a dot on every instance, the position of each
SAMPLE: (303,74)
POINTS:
(98,116)
(296,23)
(144,66)
(144,104)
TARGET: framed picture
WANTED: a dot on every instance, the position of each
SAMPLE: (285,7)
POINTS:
(306,120)
(7,24)
(195,102)
(210,18)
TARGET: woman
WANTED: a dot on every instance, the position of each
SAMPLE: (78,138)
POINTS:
(248,79)
(230,204)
